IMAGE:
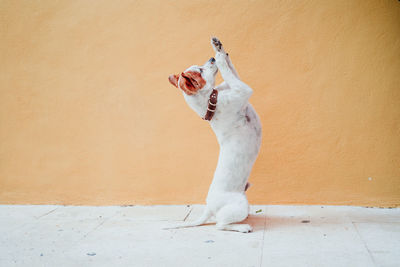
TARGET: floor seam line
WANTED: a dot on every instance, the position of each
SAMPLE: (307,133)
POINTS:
(264,230)
(97,226)
(365,245)
(47,213)
(187,215)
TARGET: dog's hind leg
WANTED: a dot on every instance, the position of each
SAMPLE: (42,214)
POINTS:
(229,216)
(203,219)
(237,227)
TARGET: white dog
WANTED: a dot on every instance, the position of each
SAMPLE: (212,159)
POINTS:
(238,130)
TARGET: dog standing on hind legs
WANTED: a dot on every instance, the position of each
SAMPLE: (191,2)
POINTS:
(238,131)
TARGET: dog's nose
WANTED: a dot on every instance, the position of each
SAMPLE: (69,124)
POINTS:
(212,60)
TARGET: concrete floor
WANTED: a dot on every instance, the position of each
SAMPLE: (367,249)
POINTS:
(132,236)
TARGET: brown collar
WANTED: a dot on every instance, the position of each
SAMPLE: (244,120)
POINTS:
(212,105)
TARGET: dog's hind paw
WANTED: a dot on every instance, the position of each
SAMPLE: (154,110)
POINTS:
(244,228)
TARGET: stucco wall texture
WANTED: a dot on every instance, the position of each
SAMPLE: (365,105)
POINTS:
(87,116)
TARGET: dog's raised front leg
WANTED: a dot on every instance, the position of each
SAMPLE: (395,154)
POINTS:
(240,91)
(222,86)
(220,52)
(228,74)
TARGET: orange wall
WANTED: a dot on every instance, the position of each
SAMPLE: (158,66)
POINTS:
(87,115)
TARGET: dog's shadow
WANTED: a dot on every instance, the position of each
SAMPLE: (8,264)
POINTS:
(257,221)
(260,222)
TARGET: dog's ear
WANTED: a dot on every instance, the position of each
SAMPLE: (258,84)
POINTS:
(186,84)
(173,79)
(191,82)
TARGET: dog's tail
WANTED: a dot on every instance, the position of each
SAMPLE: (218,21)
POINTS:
(203,218)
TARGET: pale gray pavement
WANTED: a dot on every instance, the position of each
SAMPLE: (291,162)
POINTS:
(319,236)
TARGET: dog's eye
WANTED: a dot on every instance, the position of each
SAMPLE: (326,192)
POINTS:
(201,70)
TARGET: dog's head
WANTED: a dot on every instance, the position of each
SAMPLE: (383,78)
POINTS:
(196,78)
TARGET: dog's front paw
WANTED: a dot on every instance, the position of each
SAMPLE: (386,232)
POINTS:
(217,45)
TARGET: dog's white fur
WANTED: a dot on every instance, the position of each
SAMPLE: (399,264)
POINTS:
(238,130)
